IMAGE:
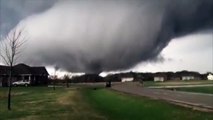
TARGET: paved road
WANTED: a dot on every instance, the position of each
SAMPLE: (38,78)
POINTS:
(198,100)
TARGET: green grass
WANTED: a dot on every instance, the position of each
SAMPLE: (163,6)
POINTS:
(42,103)
(175,83)
(206,89)
(117,106)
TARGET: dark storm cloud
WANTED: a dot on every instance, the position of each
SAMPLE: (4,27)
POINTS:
(105,35)
(13,11)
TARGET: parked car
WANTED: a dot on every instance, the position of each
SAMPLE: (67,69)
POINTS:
(21,83)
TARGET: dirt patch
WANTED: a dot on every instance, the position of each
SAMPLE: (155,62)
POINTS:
(67,98)
(18,93)
(12,94)
(35,102)
(31,117)
(3,96)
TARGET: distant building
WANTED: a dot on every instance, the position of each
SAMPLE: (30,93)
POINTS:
(122,77)
(210,77)
(127,79)
(181,75)
(160,77)
(189,75)
(87,78)
(35,75)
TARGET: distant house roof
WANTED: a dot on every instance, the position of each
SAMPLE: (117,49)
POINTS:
(24,69)
(160,74)
(124,75)
(89,78)
(188,73)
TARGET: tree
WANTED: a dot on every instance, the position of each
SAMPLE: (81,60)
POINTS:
(55,77)
(10,49)
(67,78)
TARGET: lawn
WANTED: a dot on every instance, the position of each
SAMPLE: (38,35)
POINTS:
(177,83)
(120,106)
(182,85)
(206,89)
(42,103)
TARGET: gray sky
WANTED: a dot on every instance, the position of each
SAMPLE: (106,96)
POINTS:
(114,35)
(192,52)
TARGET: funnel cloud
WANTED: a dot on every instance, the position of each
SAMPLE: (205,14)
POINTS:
(104,35)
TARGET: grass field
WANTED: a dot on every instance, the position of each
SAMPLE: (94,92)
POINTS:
(118,106)
(206,89)
(41,103)
(176,83)
(198,89)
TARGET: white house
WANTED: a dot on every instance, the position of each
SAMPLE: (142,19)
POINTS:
(210,77)
(188,77)
(158,78)
(127,79)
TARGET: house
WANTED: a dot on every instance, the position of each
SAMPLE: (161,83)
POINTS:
(35,75)
(121,77)
(189,75)
(127,79)
(210,77)
(160,77)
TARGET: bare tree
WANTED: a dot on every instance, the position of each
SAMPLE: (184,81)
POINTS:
(67,78)
(10,49)
(55,77)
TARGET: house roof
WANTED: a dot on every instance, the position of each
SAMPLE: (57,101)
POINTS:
(24,69)
(39,70)
(160,74)
(187,73)
(89,78)
(4,69)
